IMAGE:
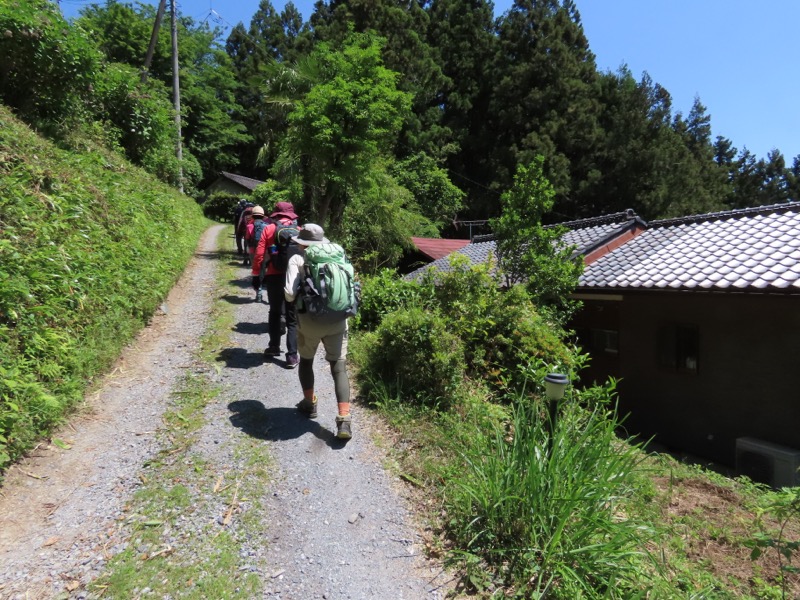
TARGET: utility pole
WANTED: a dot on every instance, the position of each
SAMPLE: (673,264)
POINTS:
(153,38)
(176,91)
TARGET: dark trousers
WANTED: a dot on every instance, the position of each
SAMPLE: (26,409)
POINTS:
(277,305)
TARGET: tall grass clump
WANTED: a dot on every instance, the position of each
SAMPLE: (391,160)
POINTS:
(544,505)
(89,247)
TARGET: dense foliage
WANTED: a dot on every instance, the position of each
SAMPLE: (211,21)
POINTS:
(424,340)
(89,246)
(413,117)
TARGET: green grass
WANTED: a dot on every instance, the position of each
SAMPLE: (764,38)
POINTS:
(89,246)
(597,519)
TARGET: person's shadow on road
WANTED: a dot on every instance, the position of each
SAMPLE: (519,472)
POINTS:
(277,424)
(252,328)
(240,358)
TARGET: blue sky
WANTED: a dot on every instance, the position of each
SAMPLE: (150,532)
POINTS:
(740,57)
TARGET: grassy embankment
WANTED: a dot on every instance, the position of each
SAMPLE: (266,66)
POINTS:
(89,247)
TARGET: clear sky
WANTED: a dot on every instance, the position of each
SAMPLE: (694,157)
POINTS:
(741,58)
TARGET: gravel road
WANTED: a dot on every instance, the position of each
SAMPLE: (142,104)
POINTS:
(340,526)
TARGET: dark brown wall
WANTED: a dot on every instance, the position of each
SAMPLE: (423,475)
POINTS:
(748,378)
(597,314)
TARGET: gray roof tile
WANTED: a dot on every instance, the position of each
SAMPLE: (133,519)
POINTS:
(755,248)
(583,235)
(745,249)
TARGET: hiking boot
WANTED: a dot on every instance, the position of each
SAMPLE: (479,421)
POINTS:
(343,431)
(308,407)
(292,360)
(272,351)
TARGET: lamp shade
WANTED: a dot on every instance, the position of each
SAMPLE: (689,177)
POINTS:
(554,385)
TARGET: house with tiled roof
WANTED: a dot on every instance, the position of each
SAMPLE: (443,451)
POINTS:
(230,183)
(699,320)
(586,237)
(426,250)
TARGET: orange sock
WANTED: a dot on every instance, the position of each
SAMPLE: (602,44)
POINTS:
(344,409)
(309,394)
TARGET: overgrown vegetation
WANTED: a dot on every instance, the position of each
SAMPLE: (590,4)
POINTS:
(531,502)
(89,247)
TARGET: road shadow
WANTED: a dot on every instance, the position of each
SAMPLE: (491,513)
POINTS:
(240,358)
(252,328)
(279,424)
(243,282)
(276,360)
(211,254)
(236,299)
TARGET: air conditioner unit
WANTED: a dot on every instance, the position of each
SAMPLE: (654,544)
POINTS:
(767,462)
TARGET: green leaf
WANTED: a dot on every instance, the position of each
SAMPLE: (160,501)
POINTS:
(153,523)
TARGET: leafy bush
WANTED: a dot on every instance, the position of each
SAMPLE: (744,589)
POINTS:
(220,206)
(506,342)
(47,68)
(89,247)
(544,504)
(140,117)
(269,193)
(502,330)
(415,355)
(385,293)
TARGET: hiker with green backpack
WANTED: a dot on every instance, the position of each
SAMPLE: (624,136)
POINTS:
(321,282)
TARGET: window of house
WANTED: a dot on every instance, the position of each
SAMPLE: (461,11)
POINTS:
(598,340)
(605,340)
(679,348)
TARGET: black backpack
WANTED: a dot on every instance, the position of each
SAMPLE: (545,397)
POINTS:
(286,248)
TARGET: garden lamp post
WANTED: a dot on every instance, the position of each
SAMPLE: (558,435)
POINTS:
(555,384)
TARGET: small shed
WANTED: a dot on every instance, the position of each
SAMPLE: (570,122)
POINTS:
(230,183)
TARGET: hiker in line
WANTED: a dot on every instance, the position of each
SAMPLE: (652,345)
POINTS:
(237,213)
(312,330)
(241,229)
(252,236)
(269,262)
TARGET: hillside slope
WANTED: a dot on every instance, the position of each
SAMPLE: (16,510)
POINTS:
(89,246)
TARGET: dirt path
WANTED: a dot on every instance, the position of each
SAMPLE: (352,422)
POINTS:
(338,524)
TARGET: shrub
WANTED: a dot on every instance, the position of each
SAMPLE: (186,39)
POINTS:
(139,115)
(385,293)
(220,206)
(47,68)
(269,193)
(415,355)
(502,331)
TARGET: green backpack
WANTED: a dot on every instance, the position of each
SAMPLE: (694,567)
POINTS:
(328,290)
